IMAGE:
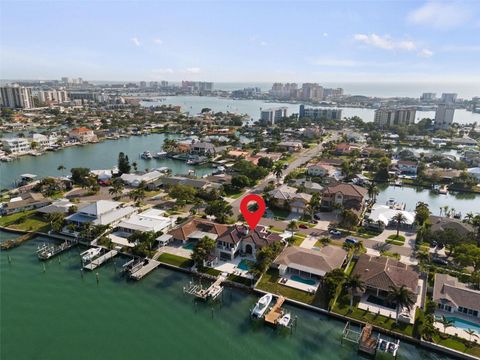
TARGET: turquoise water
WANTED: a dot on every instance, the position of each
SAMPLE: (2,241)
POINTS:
(189,245)
(95,156)
(59,315)
(464,324)
(303,280)
(244,265)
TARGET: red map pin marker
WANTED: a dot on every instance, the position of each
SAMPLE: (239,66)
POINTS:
(254,217)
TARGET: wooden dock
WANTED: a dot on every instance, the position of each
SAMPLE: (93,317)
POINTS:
(146,267)
(100,260)
(46,252)
(275,312)
(367,342)
(212,292)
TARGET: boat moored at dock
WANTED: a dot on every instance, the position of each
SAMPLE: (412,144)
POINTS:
(261,306)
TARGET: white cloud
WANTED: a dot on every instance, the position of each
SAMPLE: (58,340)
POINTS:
(385,42)
(192,70)
(136,41)
(325,34)
(263,43)
(163,71)
(440,15)
(425,53)
(158,41)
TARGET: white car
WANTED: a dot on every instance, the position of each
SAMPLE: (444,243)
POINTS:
(335,232)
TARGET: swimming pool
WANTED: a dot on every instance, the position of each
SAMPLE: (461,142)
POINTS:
(464,324)
(189,246)
(245,265)
(302,280)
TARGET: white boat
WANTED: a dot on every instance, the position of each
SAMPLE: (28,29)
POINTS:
(262,305)
(285,320)
(146,155)
(90,254)
(160,155)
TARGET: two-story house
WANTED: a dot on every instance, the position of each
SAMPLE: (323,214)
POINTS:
(347,195)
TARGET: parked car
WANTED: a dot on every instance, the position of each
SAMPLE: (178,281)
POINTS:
(440,261)
(303,226)
(351,241)
(335,232)
(317,216)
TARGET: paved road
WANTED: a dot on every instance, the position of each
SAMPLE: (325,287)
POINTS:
(301,159)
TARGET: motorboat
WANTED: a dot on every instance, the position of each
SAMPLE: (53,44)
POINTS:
(90,254)
(285,320)
(160,155)
(262,305)
(146,155)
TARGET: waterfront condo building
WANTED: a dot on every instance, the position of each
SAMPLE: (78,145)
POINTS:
(449,98)
(273,115)
(319,113)
(51,96)
(444,116)
(311,92)
(16,97)
(428,96)
(16,145)
(390,117)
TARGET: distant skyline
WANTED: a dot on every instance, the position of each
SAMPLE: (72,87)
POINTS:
(336,42)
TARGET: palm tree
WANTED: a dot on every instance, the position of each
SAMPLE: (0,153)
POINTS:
(399,218)
(292,226)
(446,323)
(135,166)
(469,217)
(441,210)
(61,168)
(472,333)
(116,188)
(353,284)
(278,171)
(373,191)
(445,210)
(401,297)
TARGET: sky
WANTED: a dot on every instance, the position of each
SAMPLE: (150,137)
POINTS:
(246,41)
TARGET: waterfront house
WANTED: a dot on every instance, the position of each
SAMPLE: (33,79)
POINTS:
(149,220)
(453,296)
(309,186)
(101,212)
(28,201)
(321,169)
(195,229)
(44,141)
(58,206)
(379,274)
(206,148)
(382,216)
(287,197)
(134,180)
(16,145)
(83,135)
(406,167)
(475,172)
(241,240)
(309,263)
(290,146)
(347,195)
(442,223)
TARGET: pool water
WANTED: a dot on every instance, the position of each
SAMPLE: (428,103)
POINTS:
(189,246)
(245,265)
(302,280)
(464,324)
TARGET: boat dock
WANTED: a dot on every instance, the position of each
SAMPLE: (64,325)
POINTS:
(275,312)
(146,266)
(46,252)
(92,265)
(367,342)
(212,292)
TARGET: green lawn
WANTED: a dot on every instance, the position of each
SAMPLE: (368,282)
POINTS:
(27,220)
(276,230)
(279,213)
(298,239)
(269,282)
(343,308)
(239,279)
(457,344)
(366,233)
(234,194)
(210,271)
(176,260)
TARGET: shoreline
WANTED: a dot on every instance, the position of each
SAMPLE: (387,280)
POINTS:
(338,317)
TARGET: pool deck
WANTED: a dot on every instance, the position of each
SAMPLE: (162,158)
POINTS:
(231,267)
(287,281)
(452,330)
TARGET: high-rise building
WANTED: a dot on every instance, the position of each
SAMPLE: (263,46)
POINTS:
(449,98)
(51,96)
(428,96)
(143,84)
(65,80)
(197,86)
(444,116)
(390,117)
(284,91)
(163,84)
(311,92)
(320,113)
(332,93)
(272,115)
(154,84)
(16,97)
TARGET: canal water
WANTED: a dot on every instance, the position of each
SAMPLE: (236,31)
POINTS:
(95,156)
(410,196)
(195,104)
(57,314)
